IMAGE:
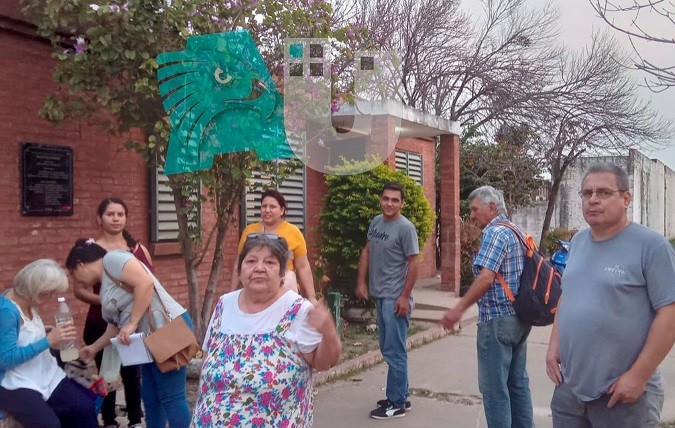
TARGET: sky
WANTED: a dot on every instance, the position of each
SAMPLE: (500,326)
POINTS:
(578,21)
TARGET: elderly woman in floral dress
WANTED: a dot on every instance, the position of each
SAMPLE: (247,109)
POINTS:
(261,346)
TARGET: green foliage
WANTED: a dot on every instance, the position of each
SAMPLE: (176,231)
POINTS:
(351,203)
(550,244)
(464,209)
(108,65)
(503,164)
(105,54)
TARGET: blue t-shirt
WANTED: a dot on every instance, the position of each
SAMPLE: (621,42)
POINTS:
(611,291)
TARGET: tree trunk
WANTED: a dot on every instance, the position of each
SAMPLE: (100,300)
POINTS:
(226,200)
(187,247)
(552,196)
(214,275)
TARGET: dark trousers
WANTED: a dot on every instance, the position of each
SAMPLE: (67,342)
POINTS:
(131,379)
(70,406)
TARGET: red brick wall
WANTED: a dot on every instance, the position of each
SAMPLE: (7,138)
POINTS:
(315,189)
(102,168)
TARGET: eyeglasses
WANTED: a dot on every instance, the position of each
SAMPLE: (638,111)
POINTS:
(266,235)
(600,193)
(272,236)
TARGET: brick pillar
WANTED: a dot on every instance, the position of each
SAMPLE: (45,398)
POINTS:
(383,138)
(450,224)
(315,190)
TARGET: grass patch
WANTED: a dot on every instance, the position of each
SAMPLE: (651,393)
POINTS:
(358,340)
(672,242)
(669,424)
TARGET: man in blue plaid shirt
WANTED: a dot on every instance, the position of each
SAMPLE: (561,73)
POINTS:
(502,337)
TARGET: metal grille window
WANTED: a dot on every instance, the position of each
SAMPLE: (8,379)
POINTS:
(412,164)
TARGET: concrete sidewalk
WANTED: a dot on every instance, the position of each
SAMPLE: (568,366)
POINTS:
(443,377)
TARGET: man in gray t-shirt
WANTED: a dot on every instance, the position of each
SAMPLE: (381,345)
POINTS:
(390,260)
(614,323)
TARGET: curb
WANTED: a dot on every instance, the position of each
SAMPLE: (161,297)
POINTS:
(362,362)
(374,357)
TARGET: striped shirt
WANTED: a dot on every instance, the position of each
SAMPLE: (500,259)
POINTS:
(500,252)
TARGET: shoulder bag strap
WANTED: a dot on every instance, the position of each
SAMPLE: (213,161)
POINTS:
(507,289)
(119,283)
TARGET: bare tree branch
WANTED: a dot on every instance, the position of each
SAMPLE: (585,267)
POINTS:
(630,18)
(593,108)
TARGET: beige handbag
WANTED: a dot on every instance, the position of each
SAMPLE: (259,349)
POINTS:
(173,345)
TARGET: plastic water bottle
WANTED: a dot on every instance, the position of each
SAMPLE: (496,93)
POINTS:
(69,351)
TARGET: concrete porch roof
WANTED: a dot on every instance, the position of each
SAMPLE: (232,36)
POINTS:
(413,122)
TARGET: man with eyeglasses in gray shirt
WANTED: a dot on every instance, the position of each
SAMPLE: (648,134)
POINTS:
(615,320)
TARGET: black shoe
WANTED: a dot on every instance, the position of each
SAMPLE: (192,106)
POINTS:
(388,412)
(385,402)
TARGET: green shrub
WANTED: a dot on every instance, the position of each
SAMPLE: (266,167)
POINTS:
(550,244)
(350,204)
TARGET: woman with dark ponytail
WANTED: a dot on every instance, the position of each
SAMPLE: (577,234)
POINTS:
(112,218)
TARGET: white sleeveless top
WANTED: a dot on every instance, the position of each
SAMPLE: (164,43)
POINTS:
(41,373)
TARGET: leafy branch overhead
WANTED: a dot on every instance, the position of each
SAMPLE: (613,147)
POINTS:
(106,69)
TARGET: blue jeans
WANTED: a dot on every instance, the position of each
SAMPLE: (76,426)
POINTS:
(393,332)
(164,395)
(502,375)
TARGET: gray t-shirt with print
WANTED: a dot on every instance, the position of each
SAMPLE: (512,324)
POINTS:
(611,291)
(391,243)
(116,301)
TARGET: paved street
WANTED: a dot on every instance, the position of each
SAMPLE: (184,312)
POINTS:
(443,380)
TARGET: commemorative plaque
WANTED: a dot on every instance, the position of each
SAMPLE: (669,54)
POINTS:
(46,180)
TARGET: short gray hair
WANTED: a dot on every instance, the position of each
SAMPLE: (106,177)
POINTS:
(488,195)
(277,245)
(39,277)
(619,173)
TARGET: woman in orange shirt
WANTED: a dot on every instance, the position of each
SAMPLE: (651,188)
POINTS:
(272,211)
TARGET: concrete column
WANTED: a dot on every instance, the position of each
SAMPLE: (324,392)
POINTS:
(450,223)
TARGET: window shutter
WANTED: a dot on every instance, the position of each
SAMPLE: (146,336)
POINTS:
(293,189)
(164,222)
(412,163)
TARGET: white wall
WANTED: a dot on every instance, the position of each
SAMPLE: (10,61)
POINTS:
(651,182)
(649,192)
(531,219)
(669,178)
